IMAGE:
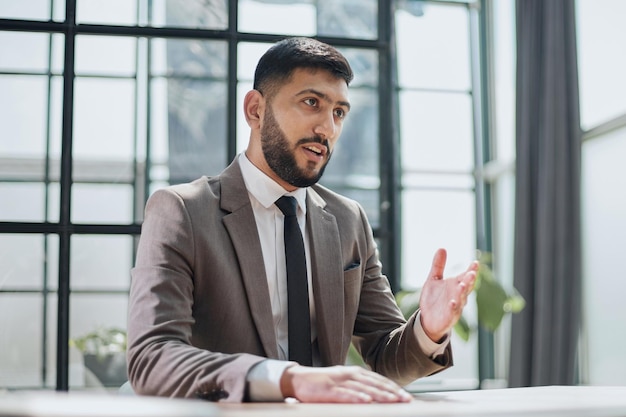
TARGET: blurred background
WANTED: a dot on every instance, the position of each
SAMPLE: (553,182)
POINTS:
(104,101)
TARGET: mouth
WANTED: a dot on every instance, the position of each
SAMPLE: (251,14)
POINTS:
(315,151)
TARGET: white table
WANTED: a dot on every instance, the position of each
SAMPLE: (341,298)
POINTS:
(554,401)
(550,401)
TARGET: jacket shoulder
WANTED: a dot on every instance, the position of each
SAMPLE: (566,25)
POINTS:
(334,202)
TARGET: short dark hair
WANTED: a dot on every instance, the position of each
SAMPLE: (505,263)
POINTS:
(280,61)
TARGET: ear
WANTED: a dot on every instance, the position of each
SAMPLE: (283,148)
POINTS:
(253,108)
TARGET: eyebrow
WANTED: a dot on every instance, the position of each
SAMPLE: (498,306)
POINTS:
(323,96)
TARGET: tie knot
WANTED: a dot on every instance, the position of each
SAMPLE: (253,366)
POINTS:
(288,205)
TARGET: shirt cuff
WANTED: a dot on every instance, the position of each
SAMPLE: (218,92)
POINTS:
(429,347)
(264,380)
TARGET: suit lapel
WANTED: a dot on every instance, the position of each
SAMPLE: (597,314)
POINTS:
(327,270)
(242,229)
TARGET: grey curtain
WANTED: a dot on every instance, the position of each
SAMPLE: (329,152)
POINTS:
(547,270)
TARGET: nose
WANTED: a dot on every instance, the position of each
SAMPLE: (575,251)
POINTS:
(326,126)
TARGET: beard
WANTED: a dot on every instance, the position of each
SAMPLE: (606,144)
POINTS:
(282,160)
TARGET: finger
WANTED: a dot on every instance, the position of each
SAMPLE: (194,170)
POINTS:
(344,394)
(468,279)
(454,306)
(439,263)
(473,266)
(463,293)
(385,392)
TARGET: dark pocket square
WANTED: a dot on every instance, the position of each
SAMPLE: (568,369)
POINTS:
(352,266)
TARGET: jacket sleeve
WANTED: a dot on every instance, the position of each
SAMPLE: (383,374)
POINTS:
(161,358)
(384,338)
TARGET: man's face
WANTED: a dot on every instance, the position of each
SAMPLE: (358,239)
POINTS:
(301,125)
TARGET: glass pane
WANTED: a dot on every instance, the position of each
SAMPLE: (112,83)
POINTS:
(431,124)
(248,55)
(102,203)
(107,12)
(601,61)
(442,219)
(432,220)
(187,110)
(348,18)
(23,259)
(96,313)
(197,128)
(364,64)
(101,262)
(159,130)
(22,201)
(13,45)
(339,18)
(433,45)
(28,10)
(104,120)
(105,55)
(504,45)
(200,14)
(258,16)
(189,57)
(23,115)
(21,343)
(429,181)
(54,202)
(604,231)
(52,262)
(504,219)
(195,125)
(50,342)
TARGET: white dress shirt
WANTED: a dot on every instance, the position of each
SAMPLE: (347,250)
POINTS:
(264,378)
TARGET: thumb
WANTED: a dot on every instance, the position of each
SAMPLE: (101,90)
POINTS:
(439,263)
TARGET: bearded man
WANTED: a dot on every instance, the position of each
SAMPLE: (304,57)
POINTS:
(211,313)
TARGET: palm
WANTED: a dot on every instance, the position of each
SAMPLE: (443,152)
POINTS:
(442,300)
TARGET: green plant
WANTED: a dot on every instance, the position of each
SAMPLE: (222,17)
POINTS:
(101,342)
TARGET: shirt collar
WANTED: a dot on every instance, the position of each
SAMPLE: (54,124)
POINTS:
(265,189)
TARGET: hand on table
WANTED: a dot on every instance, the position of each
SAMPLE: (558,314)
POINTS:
(442,300)
(340,384)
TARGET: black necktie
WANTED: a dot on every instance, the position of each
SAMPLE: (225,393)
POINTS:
(299,321)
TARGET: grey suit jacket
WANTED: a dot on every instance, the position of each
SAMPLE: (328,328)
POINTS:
(199,308)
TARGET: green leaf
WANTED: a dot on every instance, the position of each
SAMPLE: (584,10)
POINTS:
(462,329)
(490,299)
(515,304)
(408,301)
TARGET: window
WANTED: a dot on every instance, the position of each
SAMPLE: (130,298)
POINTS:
(156,100)
(436,111)
(603,119)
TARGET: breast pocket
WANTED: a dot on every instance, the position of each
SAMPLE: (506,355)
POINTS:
(352,279)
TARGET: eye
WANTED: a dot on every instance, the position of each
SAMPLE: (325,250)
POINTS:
(311,102)
(340,113)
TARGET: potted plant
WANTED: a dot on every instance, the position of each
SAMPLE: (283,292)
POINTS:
(104,354)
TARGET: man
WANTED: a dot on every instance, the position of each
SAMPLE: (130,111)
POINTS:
(208,310)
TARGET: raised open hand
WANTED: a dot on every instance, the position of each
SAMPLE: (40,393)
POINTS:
(442,300)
